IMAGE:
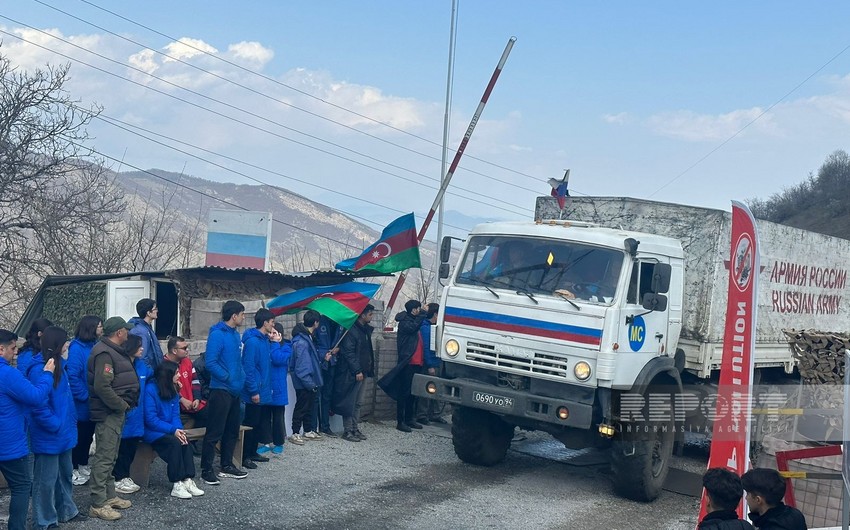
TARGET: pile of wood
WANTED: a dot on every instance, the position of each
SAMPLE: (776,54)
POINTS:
(819,355)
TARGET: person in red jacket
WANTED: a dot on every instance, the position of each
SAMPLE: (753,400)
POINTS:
(193,409)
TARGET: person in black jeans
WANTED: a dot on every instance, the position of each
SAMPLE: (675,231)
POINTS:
(306,375)
(224,363)
(397,382)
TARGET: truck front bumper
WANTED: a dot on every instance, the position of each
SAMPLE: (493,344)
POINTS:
(504,401)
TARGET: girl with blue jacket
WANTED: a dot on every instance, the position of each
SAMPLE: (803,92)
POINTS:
(17,396)
(32,345)
(134,421)
(281,352)
(53,433)
(164,430)
(89,329)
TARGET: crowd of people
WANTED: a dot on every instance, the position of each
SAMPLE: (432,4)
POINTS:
(76,409)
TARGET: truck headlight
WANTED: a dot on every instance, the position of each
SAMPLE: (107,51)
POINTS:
(582,370)
(452,347)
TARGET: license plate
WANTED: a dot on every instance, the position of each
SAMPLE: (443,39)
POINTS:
(493,400)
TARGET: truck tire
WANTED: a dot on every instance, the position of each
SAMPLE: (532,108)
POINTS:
(479,437)
(640,459)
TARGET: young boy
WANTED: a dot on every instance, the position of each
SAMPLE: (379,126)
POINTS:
(765,490)
(723,493)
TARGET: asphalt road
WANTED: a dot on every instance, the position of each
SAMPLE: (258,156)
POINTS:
(397,480)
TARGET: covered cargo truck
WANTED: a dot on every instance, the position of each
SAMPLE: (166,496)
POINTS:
(553,324)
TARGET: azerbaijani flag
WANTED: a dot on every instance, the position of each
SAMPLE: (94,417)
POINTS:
(397,250)
(341,303)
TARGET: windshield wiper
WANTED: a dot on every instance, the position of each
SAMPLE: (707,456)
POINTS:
(568,299)
(483,284)
(528,294)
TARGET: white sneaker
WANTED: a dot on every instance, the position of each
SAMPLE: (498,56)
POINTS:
(78,479)
(189,485)
(312,435)
(126,485)
(85,471)
(296,439)
(179,491)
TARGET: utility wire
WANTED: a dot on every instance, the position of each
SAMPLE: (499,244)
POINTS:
(237,120)
(128,127)
(307,94)
(765,111)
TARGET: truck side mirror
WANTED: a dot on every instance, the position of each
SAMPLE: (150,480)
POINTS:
(661,278)
(654,302)
(444,270)
(445,251)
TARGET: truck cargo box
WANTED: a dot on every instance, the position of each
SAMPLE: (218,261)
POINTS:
(802,284)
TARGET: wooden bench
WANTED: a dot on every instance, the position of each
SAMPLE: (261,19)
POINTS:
(140,469)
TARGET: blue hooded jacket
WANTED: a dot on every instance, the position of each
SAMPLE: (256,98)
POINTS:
(134,422)
(431,359)
(17,396)
(304,363)
(280,367)
(25,360)
(161,417)
(224,359)
(53,424)
(151,350)
(75,367)
(257,363)
(327,336)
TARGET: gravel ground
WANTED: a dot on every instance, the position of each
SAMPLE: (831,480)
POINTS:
(397,480)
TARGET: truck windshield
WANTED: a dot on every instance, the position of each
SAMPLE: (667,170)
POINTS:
(561,268)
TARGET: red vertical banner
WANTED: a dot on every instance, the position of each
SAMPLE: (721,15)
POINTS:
(730,442)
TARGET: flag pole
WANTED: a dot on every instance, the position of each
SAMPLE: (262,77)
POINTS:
(448,177)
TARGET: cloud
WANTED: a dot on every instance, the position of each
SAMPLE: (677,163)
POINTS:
(145,60)
(690,126)
(252,53)
(617,119)
(186,48)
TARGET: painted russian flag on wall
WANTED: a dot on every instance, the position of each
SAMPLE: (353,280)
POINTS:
(237,239)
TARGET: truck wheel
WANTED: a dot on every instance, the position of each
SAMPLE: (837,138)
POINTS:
(479,437)
(640,459)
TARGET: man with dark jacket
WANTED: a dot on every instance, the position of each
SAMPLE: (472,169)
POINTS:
(397,382)
(113,390)
(765,491)
(723,494)
(224,363)
(143,328)
(355,363)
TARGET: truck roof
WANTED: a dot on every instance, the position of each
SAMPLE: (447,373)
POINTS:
(583,232)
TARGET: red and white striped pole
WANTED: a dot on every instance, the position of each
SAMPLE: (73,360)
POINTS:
(445,183)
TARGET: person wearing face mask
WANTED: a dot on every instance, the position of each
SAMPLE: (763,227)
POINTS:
(17,396)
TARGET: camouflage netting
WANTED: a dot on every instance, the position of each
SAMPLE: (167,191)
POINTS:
(64,305)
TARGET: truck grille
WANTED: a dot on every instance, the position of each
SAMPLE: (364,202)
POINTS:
(540,363)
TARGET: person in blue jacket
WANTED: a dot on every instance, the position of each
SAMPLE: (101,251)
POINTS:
(164,430)
(53,433)
(143,328)
(17,396)
(32,344)
(223,360)
(327,339)
(257,390)
(134,421)
(306,375)
(427,409)
(281,352)
(89,329)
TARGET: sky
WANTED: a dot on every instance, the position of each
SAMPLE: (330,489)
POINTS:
(343,102)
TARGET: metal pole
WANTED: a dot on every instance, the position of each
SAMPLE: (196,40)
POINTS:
(458,155)
(446,127)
